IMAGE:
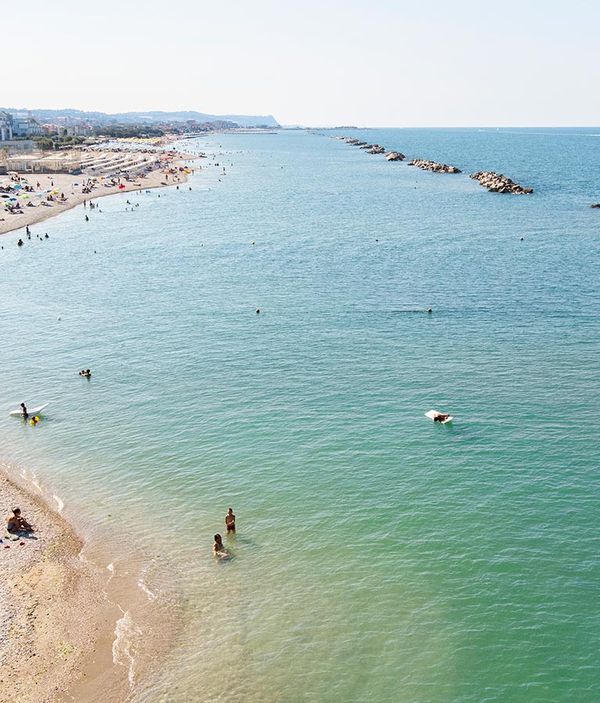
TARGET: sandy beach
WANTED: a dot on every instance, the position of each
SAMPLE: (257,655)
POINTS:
(69,626)
(40,196)
(53,611)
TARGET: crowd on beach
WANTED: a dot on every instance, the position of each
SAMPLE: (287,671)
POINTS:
(109,171)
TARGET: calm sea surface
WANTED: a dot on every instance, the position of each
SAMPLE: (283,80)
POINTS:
(379,557)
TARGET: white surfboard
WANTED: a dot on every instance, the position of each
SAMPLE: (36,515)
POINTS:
(432,414)
(30,411)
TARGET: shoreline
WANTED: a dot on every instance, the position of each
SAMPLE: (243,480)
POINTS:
(69,627)
(172,173)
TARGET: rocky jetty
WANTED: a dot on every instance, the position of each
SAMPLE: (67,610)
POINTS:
(498,183)
(376,149)
(433,166)
(394,156)
(352,141)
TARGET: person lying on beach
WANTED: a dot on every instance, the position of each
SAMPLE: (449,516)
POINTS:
(16,523)
(218,548)
(230,520)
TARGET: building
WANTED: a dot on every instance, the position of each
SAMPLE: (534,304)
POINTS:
(24,125)
(6,127)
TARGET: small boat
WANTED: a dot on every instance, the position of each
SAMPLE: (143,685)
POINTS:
(38,410)
(432,414)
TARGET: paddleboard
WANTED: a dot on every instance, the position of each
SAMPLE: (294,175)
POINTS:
(432,414)
(30,411)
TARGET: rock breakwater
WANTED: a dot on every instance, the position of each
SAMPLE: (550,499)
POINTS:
(498,183)
(433,166)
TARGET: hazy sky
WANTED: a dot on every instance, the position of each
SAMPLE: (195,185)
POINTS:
(316,62)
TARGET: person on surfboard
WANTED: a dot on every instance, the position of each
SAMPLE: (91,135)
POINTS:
(24,413)
(440,417)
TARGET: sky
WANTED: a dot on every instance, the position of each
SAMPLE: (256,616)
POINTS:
(396,63)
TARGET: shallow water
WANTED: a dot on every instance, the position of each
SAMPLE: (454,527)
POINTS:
(378,556)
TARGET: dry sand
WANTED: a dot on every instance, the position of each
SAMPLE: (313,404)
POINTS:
(71,186)
(55,618)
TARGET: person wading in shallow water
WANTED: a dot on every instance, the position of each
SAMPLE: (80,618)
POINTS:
(230,521)
(219,548)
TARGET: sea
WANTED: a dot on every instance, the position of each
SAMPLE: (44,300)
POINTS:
(260,338)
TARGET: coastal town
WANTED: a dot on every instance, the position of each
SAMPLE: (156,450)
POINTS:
(47,167)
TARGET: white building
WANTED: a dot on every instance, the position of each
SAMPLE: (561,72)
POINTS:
(24,125)
(6,127)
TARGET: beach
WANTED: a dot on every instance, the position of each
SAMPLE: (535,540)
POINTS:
(39,196)
(53,611)
(378,555)
(66,624)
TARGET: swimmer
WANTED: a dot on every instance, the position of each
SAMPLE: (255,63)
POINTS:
(429,310)
(34,420)
(258,311)
(218,548)
(230,520)
(20,243)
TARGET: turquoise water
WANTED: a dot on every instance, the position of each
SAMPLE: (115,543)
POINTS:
(379,556)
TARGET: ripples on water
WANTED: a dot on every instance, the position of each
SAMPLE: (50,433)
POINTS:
(379,557)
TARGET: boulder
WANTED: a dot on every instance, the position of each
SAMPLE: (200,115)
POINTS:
(498,183)
(433,166)
(394,156)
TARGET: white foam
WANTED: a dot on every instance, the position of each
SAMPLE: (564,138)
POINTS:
(142,584)
(123,645)
(59,503)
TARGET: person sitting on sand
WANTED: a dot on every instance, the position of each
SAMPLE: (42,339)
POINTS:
(230,521)
(16,523)
(218,548)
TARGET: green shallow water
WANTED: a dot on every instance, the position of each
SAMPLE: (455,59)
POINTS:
(378,556)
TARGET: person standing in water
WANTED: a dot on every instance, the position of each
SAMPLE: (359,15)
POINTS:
(24,413)
(230,521)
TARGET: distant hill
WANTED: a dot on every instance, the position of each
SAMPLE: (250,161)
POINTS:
(153,117)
